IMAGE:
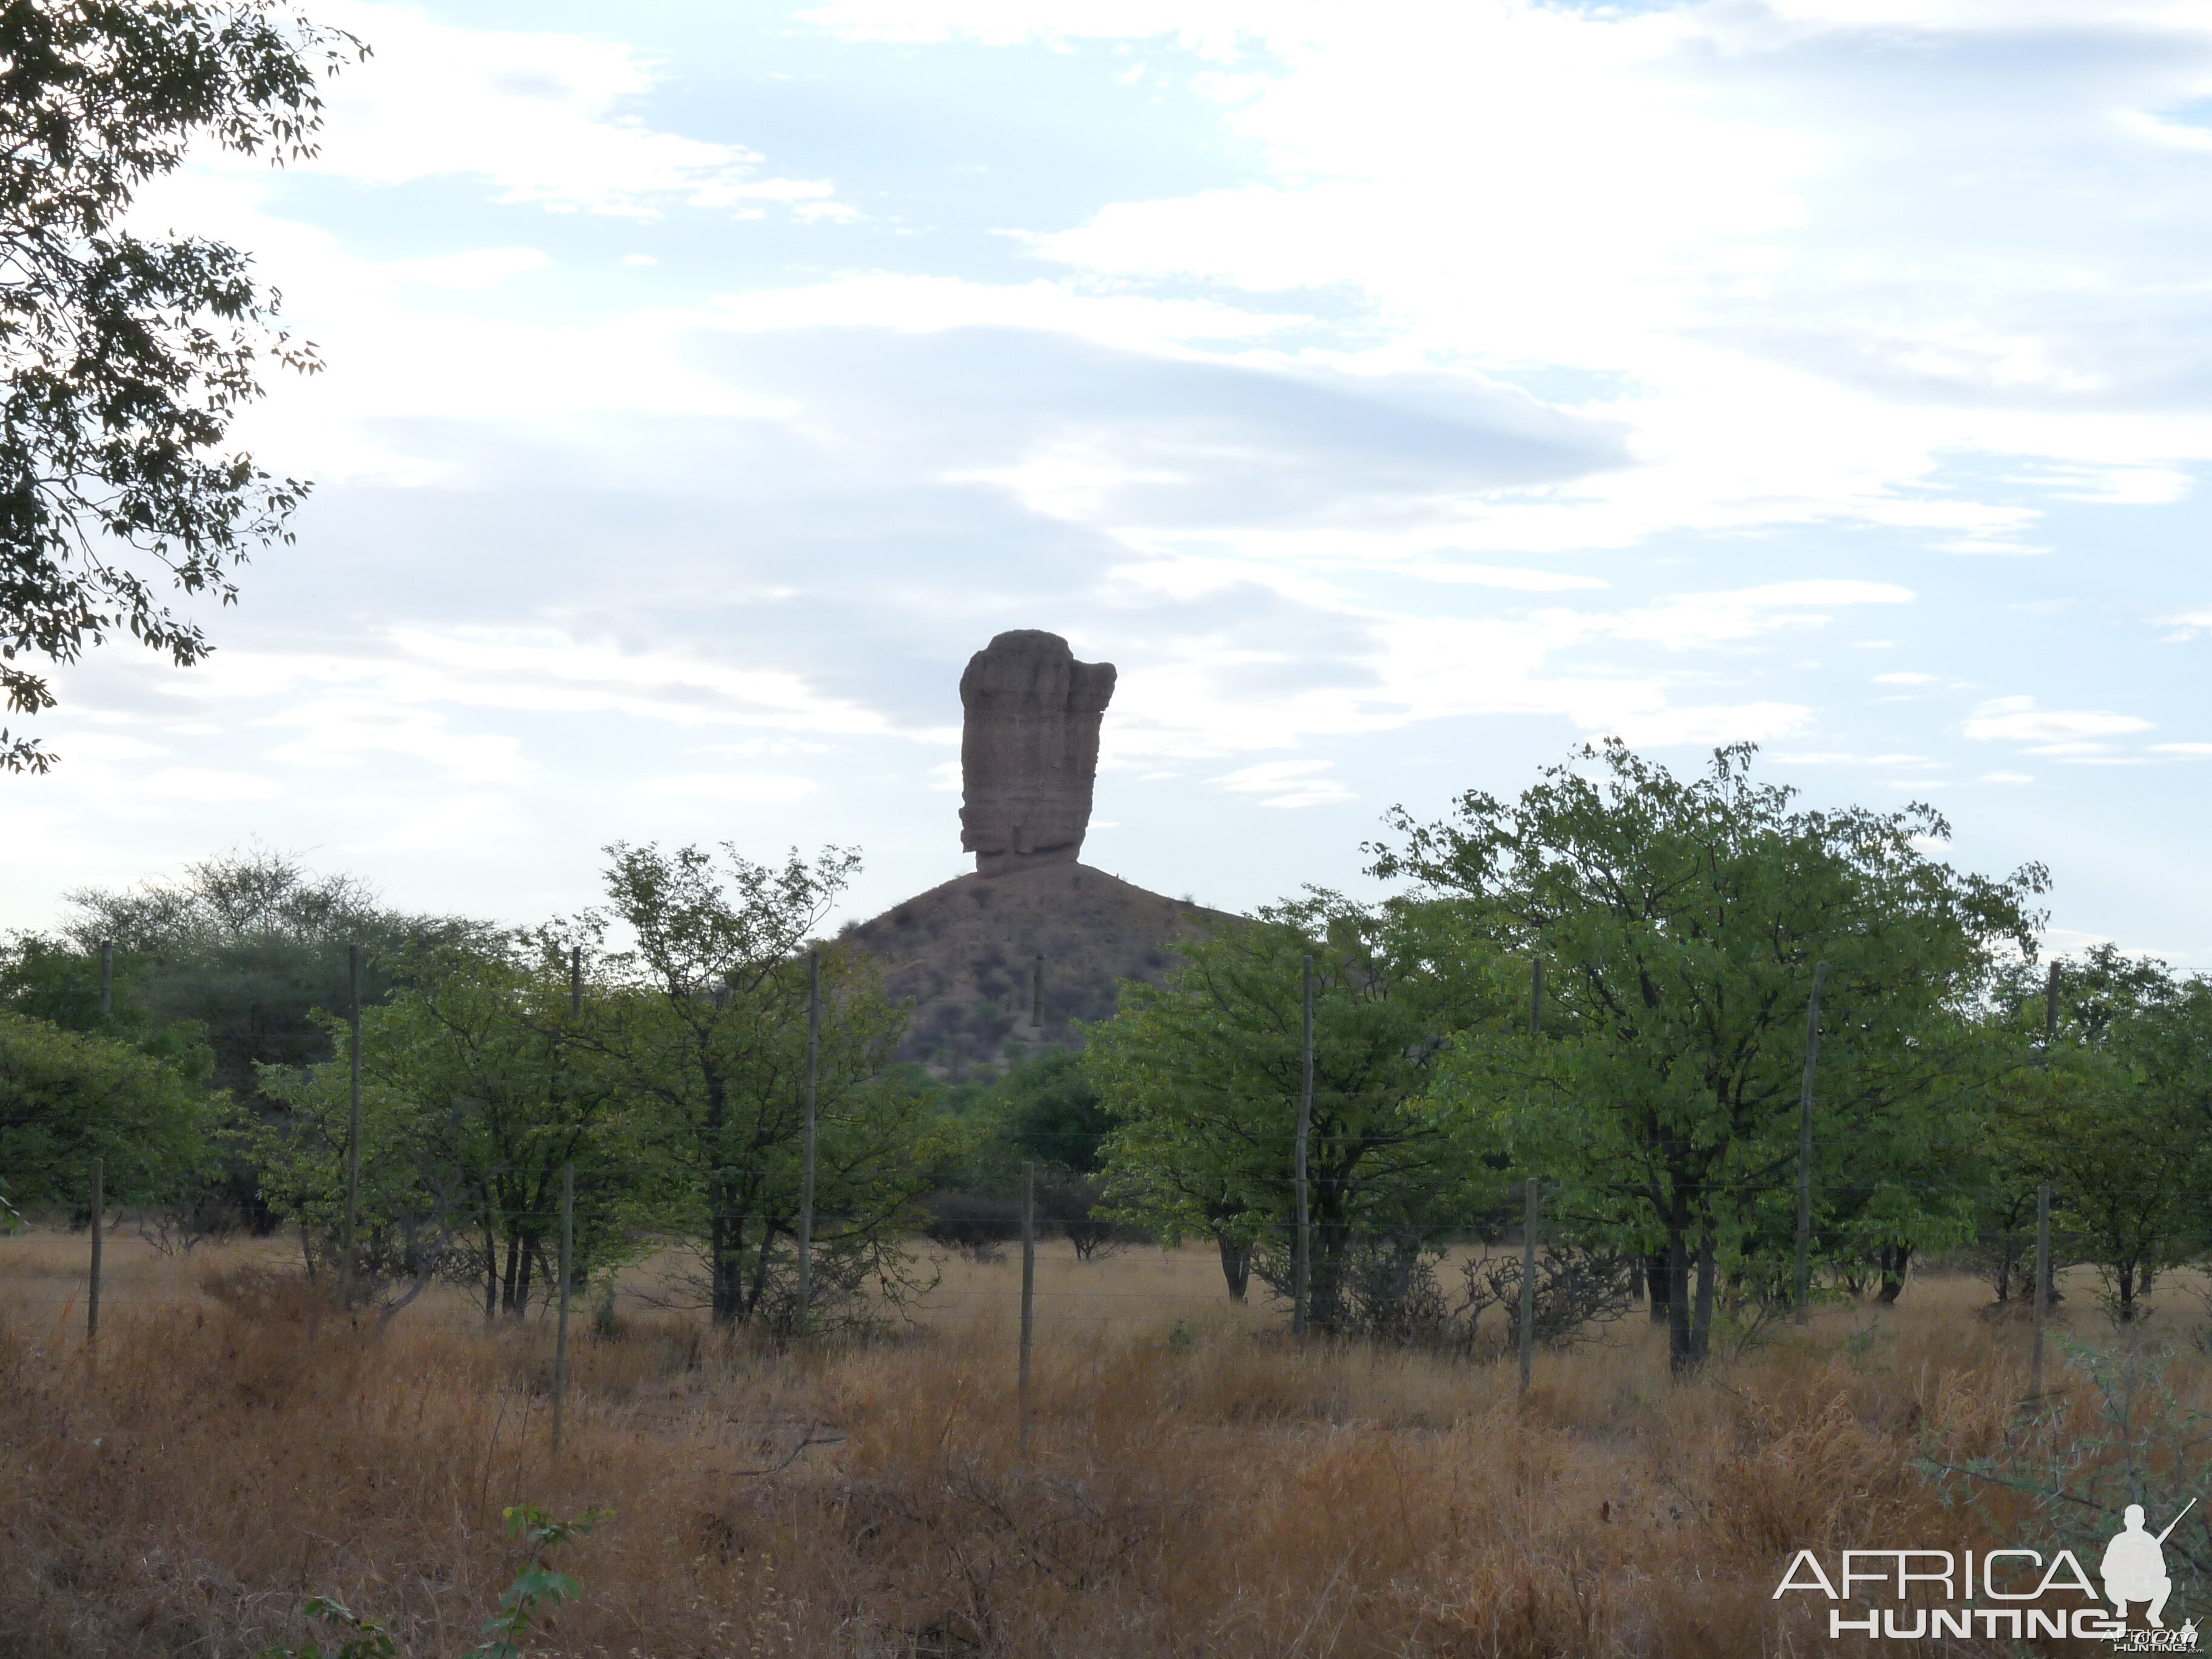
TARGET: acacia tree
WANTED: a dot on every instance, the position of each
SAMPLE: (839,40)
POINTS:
(712,1037)
(248,946)
(481,1084)
(2116,1116)
(67,1098)
(245,949)
(1203,1075)
(126,357)
(1680,922)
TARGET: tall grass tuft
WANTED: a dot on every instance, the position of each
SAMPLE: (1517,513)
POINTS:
(242,1448)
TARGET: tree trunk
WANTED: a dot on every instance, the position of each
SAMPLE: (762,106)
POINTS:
(1701,1327)
(522,1275)
(760,1268)
(1894,1259)
(2123,1276)
(1656,1284)
(725,1232)
(1331,1239)
(1680,1356)
(726,1272)
(491,1274)
(514,1274)
(1235,1265)
(1636,1279)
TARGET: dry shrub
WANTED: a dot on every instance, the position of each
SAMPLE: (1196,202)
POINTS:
(1223,1496)
(265,1294)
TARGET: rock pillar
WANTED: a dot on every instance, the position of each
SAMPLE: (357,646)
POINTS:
(1029,750)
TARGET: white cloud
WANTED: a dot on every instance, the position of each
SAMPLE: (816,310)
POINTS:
(2018,720)
(546,119)
(1208,697)
(1288,784)
(1833,758)
(480,268)
(540,671)
(1800,304)
(2188,624)
(341,731)
(1755,722)
(206,784)
(1905,679)
(1490,576)
(1696,620)
(106,746)
(750,789)
(912,302)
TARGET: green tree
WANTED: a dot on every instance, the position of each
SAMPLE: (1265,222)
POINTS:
(2025,1139)
(2115,1116)
(480,1085)
(1680,922)
(51,979)
(246,947)
(1046,1111)
(712,1036)
(1049,1109)
(127,357)
(66,1098)
(1203,1075)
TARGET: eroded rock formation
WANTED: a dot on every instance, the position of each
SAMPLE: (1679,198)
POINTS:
(1029,750)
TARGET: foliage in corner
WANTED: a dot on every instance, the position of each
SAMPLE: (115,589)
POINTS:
(129,357)
(366,1637)
(535,1586)
(538,1582)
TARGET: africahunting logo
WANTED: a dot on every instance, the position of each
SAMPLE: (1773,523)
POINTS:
(2016,1594)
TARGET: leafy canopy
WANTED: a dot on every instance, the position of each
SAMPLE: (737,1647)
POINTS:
(66,1098)
(1681,921)
(127,357)
(1204,1075)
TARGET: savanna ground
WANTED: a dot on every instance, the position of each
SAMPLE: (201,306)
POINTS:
(1192,1483)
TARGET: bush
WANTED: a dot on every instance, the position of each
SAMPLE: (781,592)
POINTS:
(1575,1289)
(977,1227)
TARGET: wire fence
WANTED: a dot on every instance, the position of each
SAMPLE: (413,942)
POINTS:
(1135,1284)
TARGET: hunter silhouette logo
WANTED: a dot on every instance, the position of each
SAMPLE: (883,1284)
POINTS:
(2020,1594)
(2135,1565)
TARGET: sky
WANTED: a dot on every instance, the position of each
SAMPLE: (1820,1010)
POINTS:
(1401,395)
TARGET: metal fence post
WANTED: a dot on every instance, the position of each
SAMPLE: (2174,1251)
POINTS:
(1528,1211)
(1302,1287)
(806,1172)
(1028,1295)
(353,1128)
(99,1234)
(2042,1283)
(1804,1286)
(561,1330)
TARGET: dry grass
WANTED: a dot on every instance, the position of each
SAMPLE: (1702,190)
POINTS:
(1216,1494)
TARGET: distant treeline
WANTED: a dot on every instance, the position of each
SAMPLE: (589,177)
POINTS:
(1606,985)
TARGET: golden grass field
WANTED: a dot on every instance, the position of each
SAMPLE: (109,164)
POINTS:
(1215,1493)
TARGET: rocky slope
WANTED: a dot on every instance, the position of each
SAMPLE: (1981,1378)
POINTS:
(966,954)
